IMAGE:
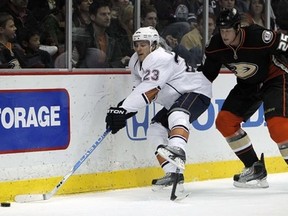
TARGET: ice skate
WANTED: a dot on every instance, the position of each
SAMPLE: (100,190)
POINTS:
(252,177)
(174,155)
(168,180)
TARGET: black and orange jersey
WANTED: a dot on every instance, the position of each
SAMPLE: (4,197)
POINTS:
(7,58)
(255,60)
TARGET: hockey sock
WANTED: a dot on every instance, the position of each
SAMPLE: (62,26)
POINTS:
(241,145)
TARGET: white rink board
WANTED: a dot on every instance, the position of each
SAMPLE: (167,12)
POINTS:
(90,96)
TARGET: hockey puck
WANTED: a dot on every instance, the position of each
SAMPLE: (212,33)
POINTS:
(5,204)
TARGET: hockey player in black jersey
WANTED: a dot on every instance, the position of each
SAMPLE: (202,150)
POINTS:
(252,53)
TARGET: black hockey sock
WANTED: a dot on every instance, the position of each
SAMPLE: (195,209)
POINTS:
(248,156)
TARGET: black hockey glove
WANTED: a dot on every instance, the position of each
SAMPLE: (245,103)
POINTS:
(128,115)
(115,119)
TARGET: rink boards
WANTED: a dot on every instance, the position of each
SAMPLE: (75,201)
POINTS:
(49,119)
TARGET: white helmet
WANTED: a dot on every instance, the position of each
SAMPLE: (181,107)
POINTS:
(146,33)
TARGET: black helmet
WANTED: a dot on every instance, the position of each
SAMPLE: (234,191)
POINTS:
(228,18)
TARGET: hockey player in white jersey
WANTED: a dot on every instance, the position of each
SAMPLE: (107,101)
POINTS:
(163,77)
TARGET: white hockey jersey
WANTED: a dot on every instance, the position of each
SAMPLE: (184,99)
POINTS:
(163,80)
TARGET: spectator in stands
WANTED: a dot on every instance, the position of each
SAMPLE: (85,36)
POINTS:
(80,21)
(23,17)
(117,27)
(10,53)
(53,26)
(245,3)
(147,2)
(170,11)
(117,7)
(173,19)
(174,32)
(257,13)
(193,40)
(149,18)
(34,57)
(81,16)
(197,6)
(126,20)
(51,17)
(100,15)
(41,8)
(225,4)
(229,4)
(241,6)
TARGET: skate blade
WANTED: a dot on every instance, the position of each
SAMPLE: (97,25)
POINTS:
(179,189)
(156,188)
(252,184)
(166,155)
(181,196)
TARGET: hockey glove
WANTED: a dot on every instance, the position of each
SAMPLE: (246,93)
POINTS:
(115,119)
(128,115)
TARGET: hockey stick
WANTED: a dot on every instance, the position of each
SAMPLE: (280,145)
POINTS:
(22,198)
(173,195)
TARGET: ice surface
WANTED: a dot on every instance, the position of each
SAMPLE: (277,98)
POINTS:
(215,197)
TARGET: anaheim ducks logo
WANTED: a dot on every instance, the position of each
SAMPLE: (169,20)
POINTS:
(243,70)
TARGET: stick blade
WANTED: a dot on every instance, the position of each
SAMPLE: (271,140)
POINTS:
(24,198)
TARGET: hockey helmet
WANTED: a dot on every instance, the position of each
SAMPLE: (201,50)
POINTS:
(228,18)
(148,34)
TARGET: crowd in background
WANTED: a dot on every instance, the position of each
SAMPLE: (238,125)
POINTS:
(102,29)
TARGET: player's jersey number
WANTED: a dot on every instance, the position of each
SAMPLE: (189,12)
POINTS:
(283,45)
(151,75)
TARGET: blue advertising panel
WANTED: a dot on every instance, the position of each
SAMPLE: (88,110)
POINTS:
(136,126)
(34,120)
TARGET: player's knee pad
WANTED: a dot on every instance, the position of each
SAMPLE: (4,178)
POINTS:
(227,123)
(278,129)
(157,134)
(179,125)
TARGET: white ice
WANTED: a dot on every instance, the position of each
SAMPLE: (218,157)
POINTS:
(215,198)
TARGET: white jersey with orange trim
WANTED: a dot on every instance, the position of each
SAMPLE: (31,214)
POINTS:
(163,78)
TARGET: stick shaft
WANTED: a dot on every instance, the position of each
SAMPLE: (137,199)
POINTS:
(173,195)
(46,196)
